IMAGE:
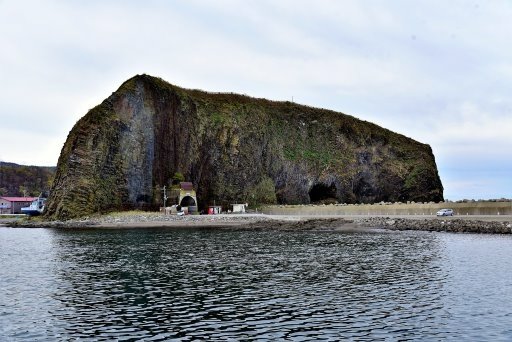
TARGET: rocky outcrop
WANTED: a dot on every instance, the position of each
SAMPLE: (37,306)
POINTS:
(360,224)
(451,225)
(234,148)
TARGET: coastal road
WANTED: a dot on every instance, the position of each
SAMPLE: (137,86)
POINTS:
(444,218)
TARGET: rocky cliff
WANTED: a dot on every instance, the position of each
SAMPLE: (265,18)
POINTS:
(234,148)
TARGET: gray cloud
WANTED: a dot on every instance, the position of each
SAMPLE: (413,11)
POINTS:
(435,71)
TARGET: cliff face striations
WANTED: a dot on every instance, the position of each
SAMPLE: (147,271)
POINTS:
(233,148)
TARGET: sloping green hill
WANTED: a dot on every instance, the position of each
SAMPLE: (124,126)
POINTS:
(19,180)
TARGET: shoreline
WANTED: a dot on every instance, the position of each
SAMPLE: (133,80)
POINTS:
(131,220)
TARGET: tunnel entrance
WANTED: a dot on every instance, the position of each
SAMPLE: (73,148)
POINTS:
(188,201)
(322,193)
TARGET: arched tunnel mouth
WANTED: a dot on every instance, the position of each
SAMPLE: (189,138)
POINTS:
(188,201)
(323,193)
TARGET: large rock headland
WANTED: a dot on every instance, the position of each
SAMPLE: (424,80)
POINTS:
(234,149)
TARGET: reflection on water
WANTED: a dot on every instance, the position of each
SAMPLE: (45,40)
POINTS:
(206,283)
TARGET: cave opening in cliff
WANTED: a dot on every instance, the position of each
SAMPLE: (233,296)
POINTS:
(322,193)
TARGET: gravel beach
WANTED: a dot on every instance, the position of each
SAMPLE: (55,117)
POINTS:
(497,225)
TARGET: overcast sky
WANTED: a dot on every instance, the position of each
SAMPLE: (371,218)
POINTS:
(439,72)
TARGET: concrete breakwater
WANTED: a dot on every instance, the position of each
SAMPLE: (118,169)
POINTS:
(459,208)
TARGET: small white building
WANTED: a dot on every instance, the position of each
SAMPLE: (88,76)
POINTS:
(239,208)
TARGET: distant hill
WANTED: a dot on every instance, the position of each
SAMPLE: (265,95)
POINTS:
(20,180)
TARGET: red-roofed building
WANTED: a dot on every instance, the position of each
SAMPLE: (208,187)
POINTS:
(13,205)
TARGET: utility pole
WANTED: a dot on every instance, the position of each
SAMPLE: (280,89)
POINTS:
(165,196)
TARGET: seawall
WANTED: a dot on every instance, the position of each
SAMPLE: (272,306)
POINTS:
(466,208)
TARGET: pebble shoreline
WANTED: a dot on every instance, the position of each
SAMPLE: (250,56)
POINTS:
(267,222)
(144,219)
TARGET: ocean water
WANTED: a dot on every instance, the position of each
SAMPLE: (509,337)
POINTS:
(216,284)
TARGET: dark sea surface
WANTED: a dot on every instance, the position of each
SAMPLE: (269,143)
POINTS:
(199,284)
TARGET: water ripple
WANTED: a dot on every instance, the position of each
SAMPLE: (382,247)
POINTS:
(159,285)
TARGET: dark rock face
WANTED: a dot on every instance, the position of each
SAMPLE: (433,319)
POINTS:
(234,149)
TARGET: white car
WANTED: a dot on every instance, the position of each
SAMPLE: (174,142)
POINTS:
(445,212)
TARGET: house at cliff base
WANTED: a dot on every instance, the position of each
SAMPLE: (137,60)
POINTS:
(239,208)
(13,205)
